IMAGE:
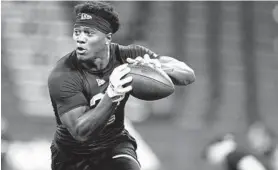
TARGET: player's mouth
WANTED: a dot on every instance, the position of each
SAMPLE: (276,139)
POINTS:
(81,50)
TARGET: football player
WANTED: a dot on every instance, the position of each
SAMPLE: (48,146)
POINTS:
(89,88)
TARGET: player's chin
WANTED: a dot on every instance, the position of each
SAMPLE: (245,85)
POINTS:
(82,56)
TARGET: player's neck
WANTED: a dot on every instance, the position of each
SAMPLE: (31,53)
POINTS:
(100,61)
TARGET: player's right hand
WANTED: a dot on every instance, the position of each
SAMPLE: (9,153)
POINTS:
(119,86)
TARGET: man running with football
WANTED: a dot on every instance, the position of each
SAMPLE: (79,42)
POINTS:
(89,88)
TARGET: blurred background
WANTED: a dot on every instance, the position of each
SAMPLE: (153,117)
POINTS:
(232,47)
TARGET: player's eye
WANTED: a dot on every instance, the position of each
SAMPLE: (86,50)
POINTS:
(89,33)
(76,32)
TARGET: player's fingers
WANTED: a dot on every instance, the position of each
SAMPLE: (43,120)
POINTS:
(139,59)
(125,89)
(147,58)
(130,60)
(121,67)
(123,72)
(119,98)
(125,80)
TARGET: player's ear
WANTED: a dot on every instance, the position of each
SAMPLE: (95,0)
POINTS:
(108,37)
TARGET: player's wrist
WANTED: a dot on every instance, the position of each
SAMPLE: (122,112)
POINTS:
(113,95)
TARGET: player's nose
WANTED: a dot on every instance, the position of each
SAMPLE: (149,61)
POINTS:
(81,38)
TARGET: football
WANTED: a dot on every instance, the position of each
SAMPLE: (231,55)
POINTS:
(149,83)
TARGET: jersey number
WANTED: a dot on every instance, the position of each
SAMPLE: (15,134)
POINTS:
(96,98)
(94,101)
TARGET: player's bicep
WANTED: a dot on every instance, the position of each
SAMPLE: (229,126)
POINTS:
(66,94)
(180,73)
(71,102)
(171,63)
(169,60)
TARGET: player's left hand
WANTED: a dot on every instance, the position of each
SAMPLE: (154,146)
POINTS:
(146,60)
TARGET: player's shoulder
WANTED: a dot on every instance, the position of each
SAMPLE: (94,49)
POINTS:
(65,62)
(63,69)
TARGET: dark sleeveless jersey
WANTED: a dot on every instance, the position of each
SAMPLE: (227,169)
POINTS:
(71,86)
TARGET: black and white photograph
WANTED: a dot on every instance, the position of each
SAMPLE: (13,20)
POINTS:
(139,85)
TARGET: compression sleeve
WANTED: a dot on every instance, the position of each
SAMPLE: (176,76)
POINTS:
(66,92)
(133,51)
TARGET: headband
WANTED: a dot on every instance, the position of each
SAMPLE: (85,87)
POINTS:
(91,20)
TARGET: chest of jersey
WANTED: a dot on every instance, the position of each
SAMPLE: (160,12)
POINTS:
(95,88)
(95,84)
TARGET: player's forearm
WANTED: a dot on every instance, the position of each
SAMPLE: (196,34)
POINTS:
(93,121)
(179,72)
(181,76)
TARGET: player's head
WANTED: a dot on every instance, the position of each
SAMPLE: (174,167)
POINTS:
(95,22)
(216,150)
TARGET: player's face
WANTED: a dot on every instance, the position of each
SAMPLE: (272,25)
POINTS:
(90,43)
